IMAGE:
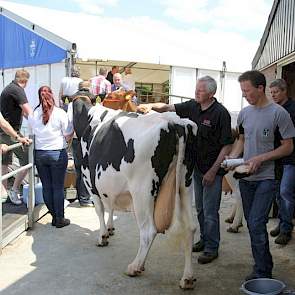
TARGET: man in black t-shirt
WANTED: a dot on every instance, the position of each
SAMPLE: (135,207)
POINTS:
(14,104)
(110,75)
(214,139)
(285,168)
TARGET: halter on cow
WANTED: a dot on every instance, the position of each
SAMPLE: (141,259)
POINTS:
(132,160)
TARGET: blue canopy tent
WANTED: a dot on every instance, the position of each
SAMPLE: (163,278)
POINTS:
(24,44)
(21,47)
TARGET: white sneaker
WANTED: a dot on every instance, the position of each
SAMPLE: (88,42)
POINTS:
(14,197)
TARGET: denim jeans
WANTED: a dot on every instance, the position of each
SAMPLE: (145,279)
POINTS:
(82,192)
(207,200)
(51,166)
(257,198)
(286,199)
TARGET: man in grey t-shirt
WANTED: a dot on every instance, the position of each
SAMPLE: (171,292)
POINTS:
(257,125)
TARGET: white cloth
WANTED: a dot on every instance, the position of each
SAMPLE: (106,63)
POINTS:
(52,135)
(69,85)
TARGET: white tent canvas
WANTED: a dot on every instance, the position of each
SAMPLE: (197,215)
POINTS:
(132,39)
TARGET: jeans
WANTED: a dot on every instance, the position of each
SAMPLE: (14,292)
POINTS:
(82,193)
(286,199)
(207,200)
(51,166)
(257,198)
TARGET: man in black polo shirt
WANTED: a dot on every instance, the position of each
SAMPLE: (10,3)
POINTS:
(14,103)
(214,141)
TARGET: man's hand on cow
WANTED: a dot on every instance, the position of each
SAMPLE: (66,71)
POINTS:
(144,108)
(209,177)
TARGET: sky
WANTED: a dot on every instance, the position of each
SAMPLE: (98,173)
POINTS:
(231,29)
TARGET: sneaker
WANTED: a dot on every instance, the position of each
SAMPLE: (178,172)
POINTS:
(283,239)
(14,197)
(275,232)
(207,257)
(199,246)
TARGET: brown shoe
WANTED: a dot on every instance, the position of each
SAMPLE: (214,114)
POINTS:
(275,232)
(283,238)
(61,222)
(207,257)
(199,246)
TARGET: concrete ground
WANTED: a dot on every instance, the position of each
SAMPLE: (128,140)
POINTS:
(65,261)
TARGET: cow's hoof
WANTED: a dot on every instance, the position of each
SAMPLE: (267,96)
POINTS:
(131,272)
(111,231)
(187,284)
(103,243)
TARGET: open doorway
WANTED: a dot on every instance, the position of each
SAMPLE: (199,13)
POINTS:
(288,74)
(151,80)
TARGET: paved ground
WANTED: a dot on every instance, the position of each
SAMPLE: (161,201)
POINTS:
(66,261)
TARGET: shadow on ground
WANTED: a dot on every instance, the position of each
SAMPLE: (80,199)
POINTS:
(66,261)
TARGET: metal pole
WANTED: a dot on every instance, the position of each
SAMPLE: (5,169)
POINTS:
(31,198)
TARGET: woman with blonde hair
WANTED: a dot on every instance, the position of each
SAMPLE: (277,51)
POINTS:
(51,127)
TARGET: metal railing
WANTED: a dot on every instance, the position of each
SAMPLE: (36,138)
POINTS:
(161,96)
(31,196)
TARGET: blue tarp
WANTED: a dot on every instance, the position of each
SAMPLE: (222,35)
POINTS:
(20,47)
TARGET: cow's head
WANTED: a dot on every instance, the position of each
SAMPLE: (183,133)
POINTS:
(120,99)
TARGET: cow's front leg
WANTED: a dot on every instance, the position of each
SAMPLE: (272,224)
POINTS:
(103,232)
(110,223)
(144,209)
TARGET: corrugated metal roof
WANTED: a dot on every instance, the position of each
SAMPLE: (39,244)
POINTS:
(278,39)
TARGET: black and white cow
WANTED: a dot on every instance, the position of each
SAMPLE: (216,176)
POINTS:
(126,160)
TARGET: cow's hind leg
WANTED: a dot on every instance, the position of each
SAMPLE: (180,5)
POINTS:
(110,223)
(103,232)
(143,209)
(187,281)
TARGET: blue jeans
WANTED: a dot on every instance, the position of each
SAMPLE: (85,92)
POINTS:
(286,199)
(207,200)
(257,198)
(51,166)
(82,193)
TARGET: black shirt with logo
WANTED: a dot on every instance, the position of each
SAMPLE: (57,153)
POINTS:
(289,106)
(11,98)
(214,131)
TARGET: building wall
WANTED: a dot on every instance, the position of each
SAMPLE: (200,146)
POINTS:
(270,75)
(279,37)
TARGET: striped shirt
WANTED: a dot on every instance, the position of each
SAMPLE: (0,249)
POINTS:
(100,85)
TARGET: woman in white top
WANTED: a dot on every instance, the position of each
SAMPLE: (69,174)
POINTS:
(51,127)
